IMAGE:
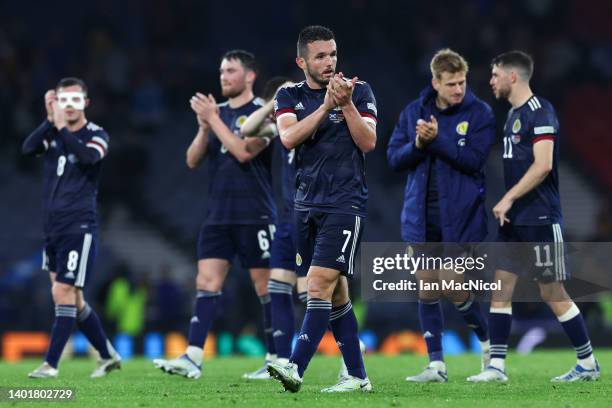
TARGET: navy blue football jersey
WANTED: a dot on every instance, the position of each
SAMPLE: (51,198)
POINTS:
(239,193)
(330,167)
(288,181)
(71,174)
(525,126)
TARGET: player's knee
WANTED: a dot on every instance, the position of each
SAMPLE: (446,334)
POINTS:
(341,293)
(429,295)
(429,291)
(504,294)
(283,275)
(63,294)
(553,293)
(455,296)
(208,282)
(320,288)
(340,298)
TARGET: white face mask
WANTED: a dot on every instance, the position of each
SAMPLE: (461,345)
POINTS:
(74,99)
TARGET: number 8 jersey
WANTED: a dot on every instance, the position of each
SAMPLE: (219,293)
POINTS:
(525,126)
(71,174)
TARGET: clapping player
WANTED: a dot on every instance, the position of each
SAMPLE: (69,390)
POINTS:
(73,149)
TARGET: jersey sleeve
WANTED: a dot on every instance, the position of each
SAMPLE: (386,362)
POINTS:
(545,126)
(99,141)
(284,104)
(38,141)
(366,103)
(89,150)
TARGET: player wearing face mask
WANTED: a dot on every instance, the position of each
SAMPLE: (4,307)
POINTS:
(73,149)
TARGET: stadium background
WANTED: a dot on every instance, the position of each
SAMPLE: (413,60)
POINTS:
(142,60)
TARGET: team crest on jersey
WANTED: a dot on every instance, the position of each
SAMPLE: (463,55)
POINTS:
(298,259)
(336,117)
(462,128)
(516,126)
(240,121)
(516,139)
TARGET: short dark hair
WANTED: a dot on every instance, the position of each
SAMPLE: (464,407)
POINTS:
(70,81)
(247,59)
(272,85)
(519,60)
(311,34)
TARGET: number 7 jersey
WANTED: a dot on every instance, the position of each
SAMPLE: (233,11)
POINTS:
(525,126)
(330,167)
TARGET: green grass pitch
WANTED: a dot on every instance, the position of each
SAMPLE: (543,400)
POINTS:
(139,384)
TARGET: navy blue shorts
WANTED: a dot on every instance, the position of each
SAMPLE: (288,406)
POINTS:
(435,247)
(252,243)
(328,240)
(283,247)
(71,257)
(542,257)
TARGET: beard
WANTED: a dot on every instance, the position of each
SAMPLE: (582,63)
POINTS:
(232,92)
(502,93)
(318,79)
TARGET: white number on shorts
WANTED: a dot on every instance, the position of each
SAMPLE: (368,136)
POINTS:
(264,242)
(507,148)
(61,163)
(539,262)
(348,237)
(73,260)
